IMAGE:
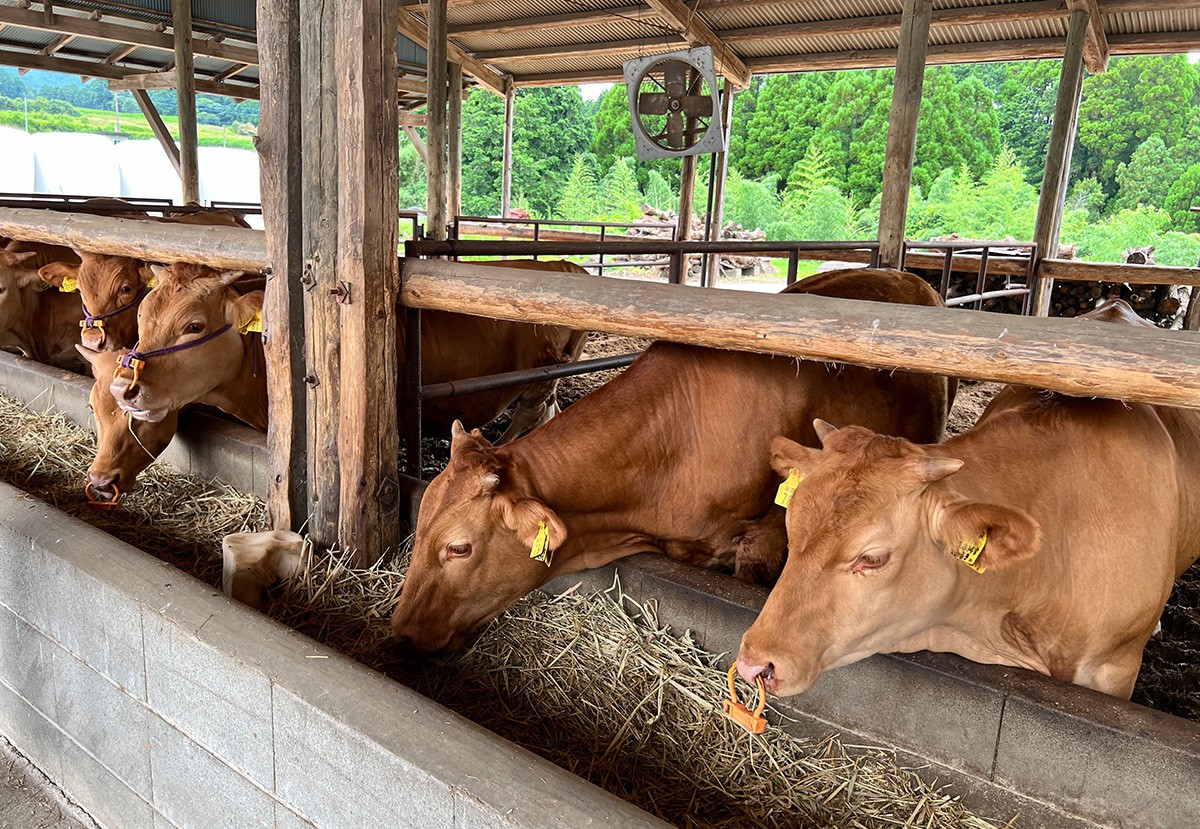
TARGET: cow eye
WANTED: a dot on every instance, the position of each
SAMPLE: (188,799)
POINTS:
(125,289)
(195,327)
(869,562)
(459,550)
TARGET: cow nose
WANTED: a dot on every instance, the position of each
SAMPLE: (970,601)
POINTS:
(750,670)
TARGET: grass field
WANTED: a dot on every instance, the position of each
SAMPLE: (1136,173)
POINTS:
(133,125)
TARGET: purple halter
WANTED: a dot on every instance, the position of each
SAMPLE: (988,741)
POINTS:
(135,360)
(92,321)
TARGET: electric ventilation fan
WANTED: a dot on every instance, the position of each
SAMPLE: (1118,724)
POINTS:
(675,104)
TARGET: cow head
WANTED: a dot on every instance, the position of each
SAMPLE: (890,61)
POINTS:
(185,312)
(109,287)
(19,281)
(471,556)
(124,446)
(873,528)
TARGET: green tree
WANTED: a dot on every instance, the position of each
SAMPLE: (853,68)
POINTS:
(853,131)
(620,198)
(752,204)
(1025,102)
(1183,194)
(11,85)
(549,130)
(612,138)
(1088,196)
(580,195)
(958,126)
(786,115)
(1147,176)
(659,193)
(483,152)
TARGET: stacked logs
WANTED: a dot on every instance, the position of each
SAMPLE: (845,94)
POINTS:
(1161,304)
(731,265)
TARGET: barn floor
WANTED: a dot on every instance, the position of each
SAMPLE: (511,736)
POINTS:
(28,800)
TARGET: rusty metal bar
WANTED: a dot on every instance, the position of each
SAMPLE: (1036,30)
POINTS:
(981,280)
(944,290)
(412,392)
(980,297)
(471,385)
(793,266)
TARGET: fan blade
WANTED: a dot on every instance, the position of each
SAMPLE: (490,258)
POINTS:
(675,131)
(676,74)
(698,106)
(653,103)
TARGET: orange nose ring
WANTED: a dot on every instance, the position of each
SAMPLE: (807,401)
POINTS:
(101,504)
(95,325)
(136,366)
(752,721)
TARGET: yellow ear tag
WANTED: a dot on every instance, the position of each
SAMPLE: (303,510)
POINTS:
(541,545)
(969,551)
(253,324)
(153,281)
(783,496)
(69,285)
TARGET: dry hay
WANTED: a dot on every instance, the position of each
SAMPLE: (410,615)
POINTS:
(606,693)
(597,685)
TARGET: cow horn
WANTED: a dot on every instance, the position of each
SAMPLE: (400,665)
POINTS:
(934,469)
(160,271)
(229,277)
(457,430)
(824,429)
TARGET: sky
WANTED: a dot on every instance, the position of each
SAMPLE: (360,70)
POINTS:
(592,91)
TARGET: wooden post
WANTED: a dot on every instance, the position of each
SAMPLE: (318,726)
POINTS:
(435,131)
(687,193)
(720,169)
(454,142)
(159,129)
(506,174)
(902,129)
(415,138)
(1058,157)
(368,271)
(281,163)
(185,94)
(320,245)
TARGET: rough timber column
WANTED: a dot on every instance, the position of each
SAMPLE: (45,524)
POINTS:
(454,141)
(185,92)
(280,153)
(1058,156)
(506,174)
(435,124)
(368,272)
(902,129)
(719,172)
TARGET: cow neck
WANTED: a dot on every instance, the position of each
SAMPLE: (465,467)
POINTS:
(605,512)
(244,394)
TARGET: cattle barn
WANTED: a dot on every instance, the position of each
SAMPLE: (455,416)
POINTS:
(145,696)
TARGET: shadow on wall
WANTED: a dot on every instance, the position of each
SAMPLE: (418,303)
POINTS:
(67,163)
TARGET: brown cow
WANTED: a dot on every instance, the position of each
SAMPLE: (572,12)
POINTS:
(41,324)
(662,458)
(1078,515)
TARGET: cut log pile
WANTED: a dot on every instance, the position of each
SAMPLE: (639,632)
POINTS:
(731,265)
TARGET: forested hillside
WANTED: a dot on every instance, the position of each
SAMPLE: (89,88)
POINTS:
(806,157)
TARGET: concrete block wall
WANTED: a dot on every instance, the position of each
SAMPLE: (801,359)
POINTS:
(155,702)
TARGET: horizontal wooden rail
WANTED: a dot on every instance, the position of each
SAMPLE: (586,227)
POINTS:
(232,248)
(1078,357)
(1070,270)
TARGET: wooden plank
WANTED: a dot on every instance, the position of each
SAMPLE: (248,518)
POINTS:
(902,130)
(318,92)
(410,119)
(637,46)
(1095,50)
(1073,356)
(488,77)
(1053,194)
(437,208)
(281,168)
(185,94)
(415,138)
(454,141)
(506,163)
(1164,43)
(117,33)
(225,248)
(1072,270)
(696,32)
(59,43)
(368,219)
(557,22)
(165,79)
(158,128)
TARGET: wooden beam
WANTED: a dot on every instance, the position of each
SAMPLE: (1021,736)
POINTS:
(1080,357)
(1095,50)
(117,33)
(1073,270)
(322,313)
(154,119)
(281,168)
(226,74)
(488,77)
(59,42)
(415,138)
(166,79)
(506,163)
(632,47)
(1164,43)
(717,178)
(368,229)
(185,94)
(436,205)
(223,248)
(902,130)
(120,54)
(416,87)
(1053,194)
(696,32)
(454,126)
(410,119)
(556,22)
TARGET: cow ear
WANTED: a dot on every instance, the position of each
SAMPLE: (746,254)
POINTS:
(1005,535)
(245,308)
(30,279)
(87,354)
(462,441)
(19,259)
(823,429)
(787,455)
(930,468)
(525,517)
(159,272)
(57,272)
(229,277)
